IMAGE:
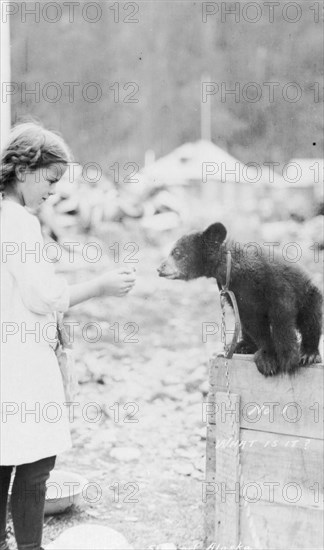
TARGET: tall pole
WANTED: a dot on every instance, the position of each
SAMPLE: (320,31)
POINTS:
(5,76)
(205,111)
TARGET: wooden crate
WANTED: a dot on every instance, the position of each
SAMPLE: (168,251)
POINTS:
(265,464)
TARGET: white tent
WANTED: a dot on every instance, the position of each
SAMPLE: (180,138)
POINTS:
(306,171)
(205,162)
(187,163)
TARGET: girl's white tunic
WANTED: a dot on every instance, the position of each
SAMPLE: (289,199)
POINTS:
(34,421)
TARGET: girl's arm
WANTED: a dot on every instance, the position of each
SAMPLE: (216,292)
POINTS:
(41,289)
(112,283)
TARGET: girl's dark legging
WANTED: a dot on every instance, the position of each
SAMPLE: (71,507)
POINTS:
(27,502)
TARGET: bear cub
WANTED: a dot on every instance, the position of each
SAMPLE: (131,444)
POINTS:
(275,298)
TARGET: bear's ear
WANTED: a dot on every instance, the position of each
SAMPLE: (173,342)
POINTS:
(215,233)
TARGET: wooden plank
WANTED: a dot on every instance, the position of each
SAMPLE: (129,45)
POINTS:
(274,471)
(280,404)
(227,475)
(278,475)
(208,489)
(283,527)
(209,486)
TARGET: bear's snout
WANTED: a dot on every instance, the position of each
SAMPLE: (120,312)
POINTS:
(160,270)
(168,269)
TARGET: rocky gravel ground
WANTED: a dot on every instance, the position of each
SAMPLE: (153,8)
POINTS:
(138,431)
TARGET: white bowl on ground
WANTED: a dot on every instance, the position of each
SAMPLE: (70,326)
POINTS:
(63,489)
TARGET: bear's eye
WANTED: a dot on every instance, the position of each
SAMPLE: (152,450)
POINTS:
(177,253)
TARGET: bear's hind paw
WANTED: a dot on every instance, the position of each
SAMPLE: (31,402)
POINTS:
(310,358)
(266,364)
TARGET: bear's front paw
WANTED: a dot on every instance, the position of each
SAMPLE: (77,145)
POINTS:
(266,363)
(308,358)
(245,347)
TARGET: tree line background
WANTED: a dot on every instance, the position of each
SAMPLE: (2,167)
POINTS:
(150,75)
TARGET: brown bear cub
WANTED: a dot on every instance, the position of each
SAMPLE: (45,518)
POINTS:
(275,298)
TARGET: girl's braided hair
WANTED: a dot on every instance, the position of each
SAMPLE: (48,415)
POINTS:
(31,146)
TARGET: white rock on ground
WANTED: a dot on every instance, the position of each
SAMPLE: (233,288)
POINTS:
(88,537)
(125,454)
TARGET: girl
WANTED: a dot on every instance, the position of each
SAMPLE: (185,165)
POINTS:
(30,436)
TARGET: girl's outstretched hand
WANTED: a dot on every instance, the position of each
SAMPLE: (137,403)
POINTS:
(117,282)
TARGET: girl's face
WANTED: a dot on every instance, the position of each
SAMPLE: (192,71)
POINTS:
(34,187)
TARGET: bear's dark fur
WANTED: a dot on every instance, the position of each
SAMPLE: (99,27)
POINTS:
(275,298)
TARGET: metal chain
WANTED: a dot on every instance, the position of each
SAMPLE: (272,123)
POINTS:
(239,465)
(223,323)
